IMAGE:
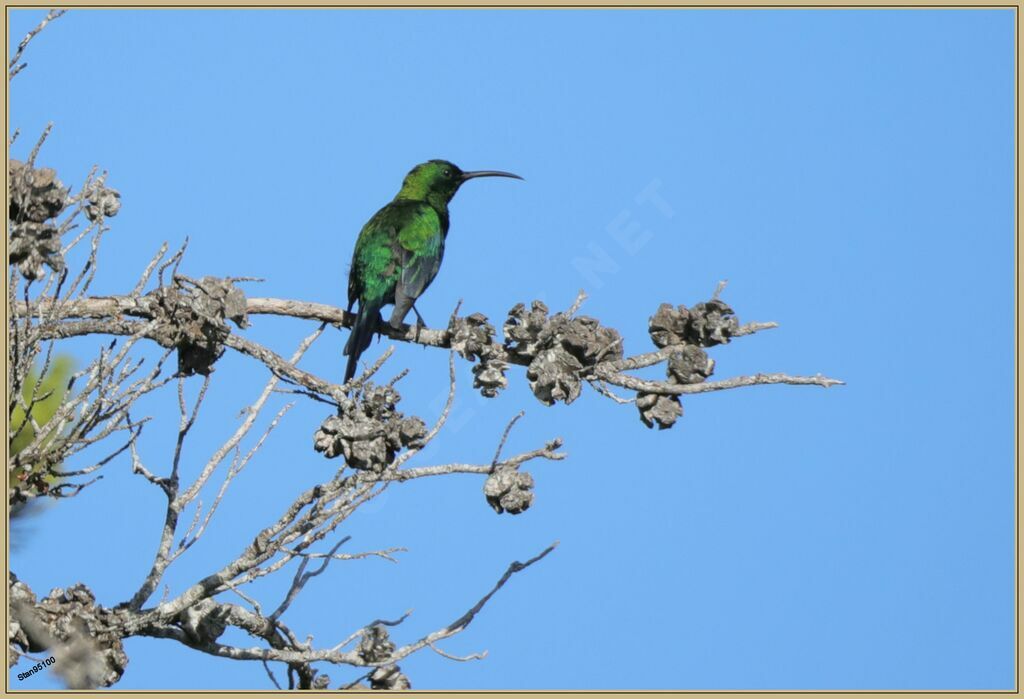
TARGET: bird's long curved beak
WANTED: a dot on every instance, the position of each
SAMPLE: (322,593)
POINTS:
(488,173)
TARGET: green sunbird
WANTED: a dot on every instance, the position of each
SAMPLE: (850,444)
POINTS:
(399,250)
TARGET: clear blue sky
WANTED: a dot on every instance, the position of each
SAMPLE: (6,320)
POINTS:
(849,172)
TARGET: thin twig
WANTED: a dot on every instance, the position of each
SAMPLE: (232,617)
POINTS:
(50,16)
(719,289)
(460,658)
(39,144)
(148,272)
(504,436)
(580,298)
(270,674)
(376,622)
(302,577)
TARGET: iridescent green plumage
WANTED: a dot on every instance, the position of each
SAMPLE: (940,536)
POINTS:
(399,250)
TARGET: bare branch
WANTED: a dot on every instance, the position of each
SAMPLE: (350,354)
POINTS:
(375,622)
(669,389)
(114,326)
(603,389)
(548,452)
(148,272)
(42,139)
(283,369)
(294,654)
(441,420)
(302,577)
(235,469)
(270,674)
(252,412)
(383,553)
(255,605)
(460,658)
(466,619)
(577,303)
(719,289)
(504,436)
(139,468)
(176,502)
(608,370)
(12,66)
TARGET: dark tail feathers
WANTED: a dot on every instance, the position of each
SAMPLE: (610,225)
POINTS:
(362,333)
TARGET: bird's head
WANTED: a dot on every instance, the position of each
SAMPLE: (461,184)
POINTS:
(437,181)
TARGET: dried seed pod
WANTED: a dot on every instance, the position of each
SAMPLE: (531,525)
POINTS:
(523,329)
(471,336)
(103,202)
(690,365)
(204,621)
(191,316)
(658,409)
(560,349)
(587,340)
(712,323)
(326,438)
(554,376)
(87,641)
(668,325)
(36,198)
(37,195)
(389,677)
(509,490)
(706,324)
(489,377)
(369,430)
(376,645)
(411,431)
(33,245)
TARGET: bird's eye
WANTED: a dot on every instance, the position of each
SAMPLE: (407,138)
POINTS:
(447,173)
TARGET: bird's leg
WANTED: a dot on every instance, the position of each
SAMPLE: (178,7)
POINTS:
(419,318)
(419,322)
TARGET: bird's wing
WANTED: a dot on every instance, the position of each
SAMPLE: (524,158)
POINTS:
(353,283)
(376,260)
(420,248)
